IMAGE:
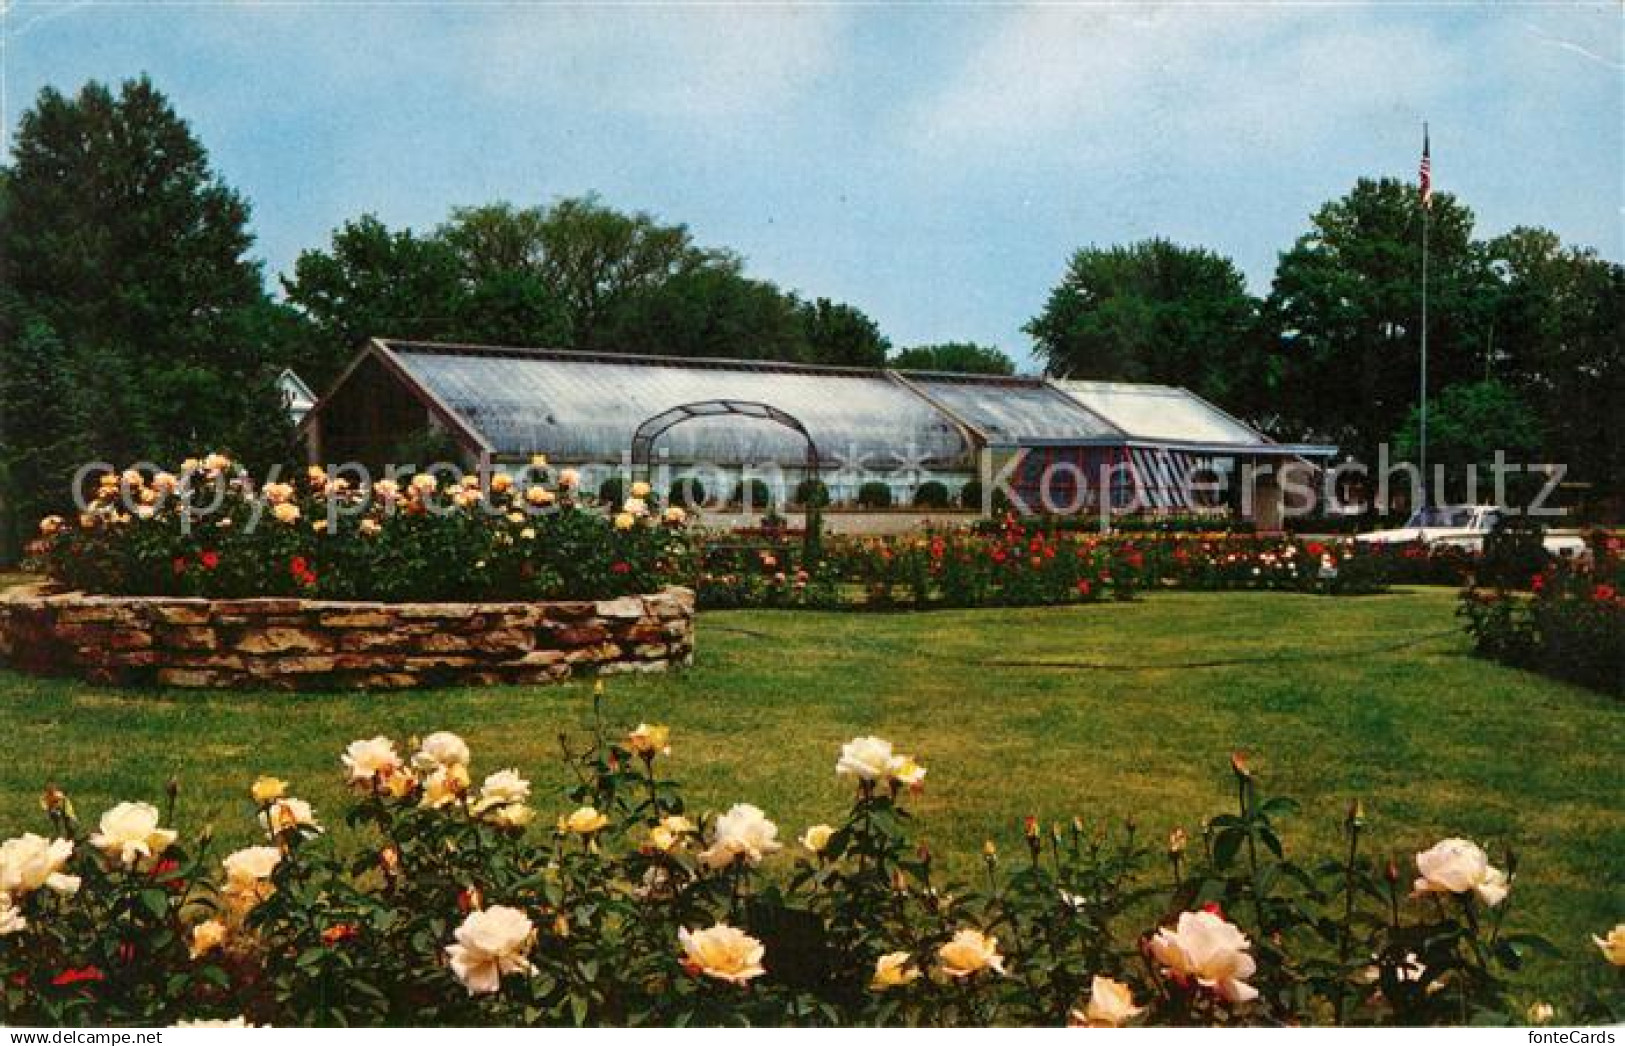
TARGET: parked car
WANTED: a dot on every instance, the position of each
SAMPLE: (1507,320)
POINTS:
(1464,527)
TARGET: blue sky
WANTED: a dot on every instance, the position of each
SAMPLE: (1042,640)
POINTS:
(934,165)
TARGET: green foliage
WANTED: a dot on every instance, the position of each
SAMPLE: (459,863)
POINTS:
(931,494)
(123,244)
(753,494)
(40,449)
(1467,424)
(866,926)
(686,492)
(874,494)
(812,492)
(1154,311)
(841,335)
(958,357)
(1571,626)
(206,532)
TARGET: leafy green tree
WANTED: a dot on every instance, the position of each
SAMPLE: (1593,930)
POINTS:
(44,426)
(375,282)
(593,257)
(1557,337)
(709,312)
(1347,303)
(841,335)
(1467,424)
(955,357)
(1154,311)
(121,240)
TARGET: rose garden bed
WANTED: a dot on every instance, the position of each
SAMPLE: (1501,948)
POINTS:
(292,643)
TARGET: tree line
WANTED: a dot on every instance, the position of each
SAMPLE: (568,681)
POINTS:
(135,324)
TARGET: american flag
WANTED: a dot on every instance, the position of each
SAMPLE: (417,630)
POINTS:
(1426,172)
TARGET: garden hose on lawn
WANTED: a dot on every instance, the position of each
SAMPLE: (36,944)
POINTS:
(1103,666)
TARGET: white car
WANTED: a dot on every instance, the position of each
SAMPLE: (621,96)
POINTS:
(1463,527)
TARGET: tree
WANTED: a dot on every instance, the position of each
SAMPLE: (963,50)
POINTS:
(592,257)
(1153,311)
(841,335)
(709,312)
(1347,304)
(374,282)
(1467,424)
(1556,337)
(955,357)
(121,240)
(44,426)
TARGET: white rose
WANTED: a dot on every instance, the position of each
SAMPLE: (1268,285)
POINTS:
(129,832)
(1457,866)
(235,1022)
(744,832)
(367,760)
(504,786)
(441,748)
(31,862)
(866,758)
(1205,947)
(491,943)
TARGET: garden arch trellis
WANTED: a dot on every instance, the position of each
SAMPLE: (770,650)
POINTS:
(643,440)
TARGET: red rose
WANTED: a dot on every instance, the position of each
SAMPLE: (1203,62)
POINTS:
(79,975)
(297,566)
(210,559)
(620,566)
(1603,593)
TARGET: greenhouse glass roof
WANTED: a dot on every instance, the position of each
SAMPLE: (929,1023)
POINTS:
(1010,410)
(1160,413)
(585,407)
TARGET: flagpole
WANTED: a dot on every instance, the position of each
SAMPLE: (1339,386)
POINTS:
(1427,207)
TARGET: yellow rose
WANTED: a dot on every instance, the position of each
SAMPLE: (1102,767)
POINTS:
(501,483)
(640,489)
(538,461)
(50,525)
(675,516)
(649,741)
(969,953)
(287,815)
(1613,946)
(723,952)
(285,513)
(216,462)
(539,496)
(1110,1005)
(569,478)
(817,837)
(624,521)
(584,821)
(267,789)
(893,970)
(207,936)
(446,785)
(370,527)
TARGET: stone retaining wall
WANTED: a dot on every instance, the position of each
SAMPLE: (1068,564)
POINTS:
(315,644)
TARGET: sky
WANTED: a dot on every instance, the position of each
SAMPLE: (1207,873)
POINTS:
(934,165)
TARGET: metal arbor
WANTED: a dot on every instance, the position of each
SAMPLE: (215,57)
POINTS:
(643,440)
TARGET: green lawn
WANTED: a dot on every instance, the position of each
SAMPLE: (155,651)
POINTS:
(1375,697)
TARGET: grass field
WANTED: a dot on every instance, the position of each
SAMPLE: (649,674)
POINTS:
(1375,697)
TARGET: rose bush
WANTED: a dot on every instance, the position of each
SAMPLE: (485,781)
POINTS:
(1571,624)
(209,530)
(454,905)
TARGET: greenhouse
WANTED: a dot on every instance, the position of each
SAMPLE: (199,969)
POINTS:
(724,421)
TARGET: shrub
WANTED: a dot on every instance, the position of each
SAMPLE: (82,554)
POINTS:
(810,492)
(754,495)
(612,491)
(687,492)
(931,494)
(207,531)
(630,909)
(970,497)
(1571,625)
(874,494)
